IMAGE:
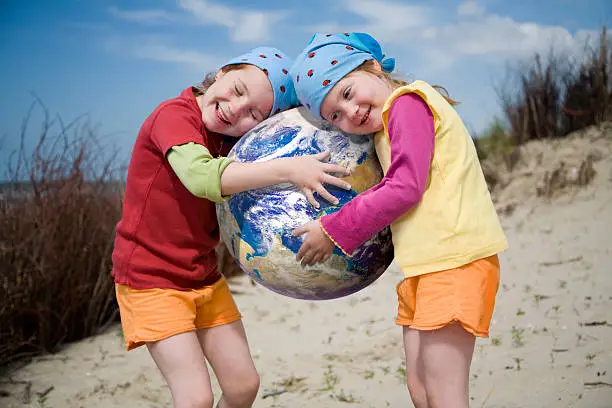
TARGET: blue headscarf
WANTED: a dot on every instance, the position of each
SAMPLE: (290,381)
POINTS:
(275,64)
(327,59)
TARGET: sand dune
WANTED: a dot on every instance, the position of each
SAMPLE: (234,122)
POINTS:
(550,345)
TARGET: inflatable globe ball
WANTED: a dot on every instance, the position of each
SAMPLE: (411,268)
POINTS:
(256,225)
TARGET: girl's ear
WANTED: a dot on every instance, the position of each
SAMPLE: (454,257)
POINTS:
(376,65)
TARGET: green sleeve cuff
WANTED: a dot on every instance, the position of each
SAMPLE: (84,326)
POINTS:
(199,172)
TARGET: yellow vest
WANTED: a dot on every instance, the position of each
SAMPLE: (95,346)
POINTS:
(455,223)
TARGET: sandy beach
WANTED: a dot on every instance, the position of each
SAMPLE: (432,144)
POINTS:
(550,344)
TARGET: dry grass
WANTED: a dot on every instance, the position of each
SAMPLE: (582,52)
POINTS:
(58,213)
(548,99)
(588,88)
(551,97)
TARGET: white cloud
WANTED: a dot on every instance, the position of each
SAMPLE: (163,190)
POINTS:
(157,48)
(422,33)
(387,21)
(470,8)
(329,27)
(499,37)
(244,25)
(166,53)
(391,17)
(143,16)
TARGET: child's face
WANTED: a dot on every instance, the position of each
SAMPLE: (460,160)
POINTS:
(355,103)
(237,101)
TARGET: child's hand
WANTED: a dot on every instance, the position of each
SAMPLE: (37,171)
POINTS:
(317,246)
(309,173)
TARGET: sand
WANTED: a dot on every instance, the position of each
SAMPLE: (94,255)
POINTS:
(550,344)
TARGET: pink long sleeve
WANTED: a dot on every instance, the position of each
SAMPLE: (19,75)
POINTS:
(411,134)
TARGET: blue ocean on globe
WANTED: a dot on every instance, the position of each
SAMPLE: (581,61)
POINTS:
(256,225)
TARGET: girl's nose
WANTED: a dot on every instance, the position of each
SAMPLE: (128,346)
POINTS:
(355,115)
(239,106)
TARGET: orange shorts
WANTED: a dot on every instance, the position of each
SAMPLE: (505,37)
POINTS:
(465,294)
(150,315)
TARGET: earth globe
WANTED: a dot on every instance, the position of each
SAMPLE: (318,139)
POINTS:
(256,225)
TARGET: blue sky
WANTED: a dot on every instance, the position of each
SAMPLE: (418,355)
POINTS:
(116,60)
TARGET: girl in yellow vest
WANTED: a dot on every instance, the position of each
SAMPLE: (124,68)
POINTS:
(446,233)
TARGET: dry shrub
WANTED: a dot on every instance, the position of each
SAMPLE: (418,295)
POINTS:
(532,99)
(58,213)
(554,96)
(548,98)
(588,92)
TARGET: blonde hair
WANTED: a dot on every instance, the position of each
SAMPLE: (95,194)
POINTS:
(396,81)
(210,79)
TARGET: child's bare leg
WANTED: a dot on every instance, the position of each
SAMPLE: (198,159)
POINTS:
(227,350)
(183,365)
(414,368)
(447,355)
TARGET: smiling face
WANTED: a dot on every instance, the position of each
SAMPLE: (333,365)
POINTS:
(237,101)
(355,103)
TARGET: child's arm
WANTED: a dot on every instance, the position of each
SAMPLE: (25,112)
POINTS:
(199,172)
(175,132)
(411,132)
(215,178)
(309,173)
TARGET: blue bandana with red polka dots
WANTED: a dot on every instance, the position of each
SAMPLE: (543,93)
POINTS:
(275,64)
(327,59)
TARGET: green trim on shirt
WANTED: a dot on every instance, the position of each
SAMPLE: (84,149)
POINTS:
(199,172)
